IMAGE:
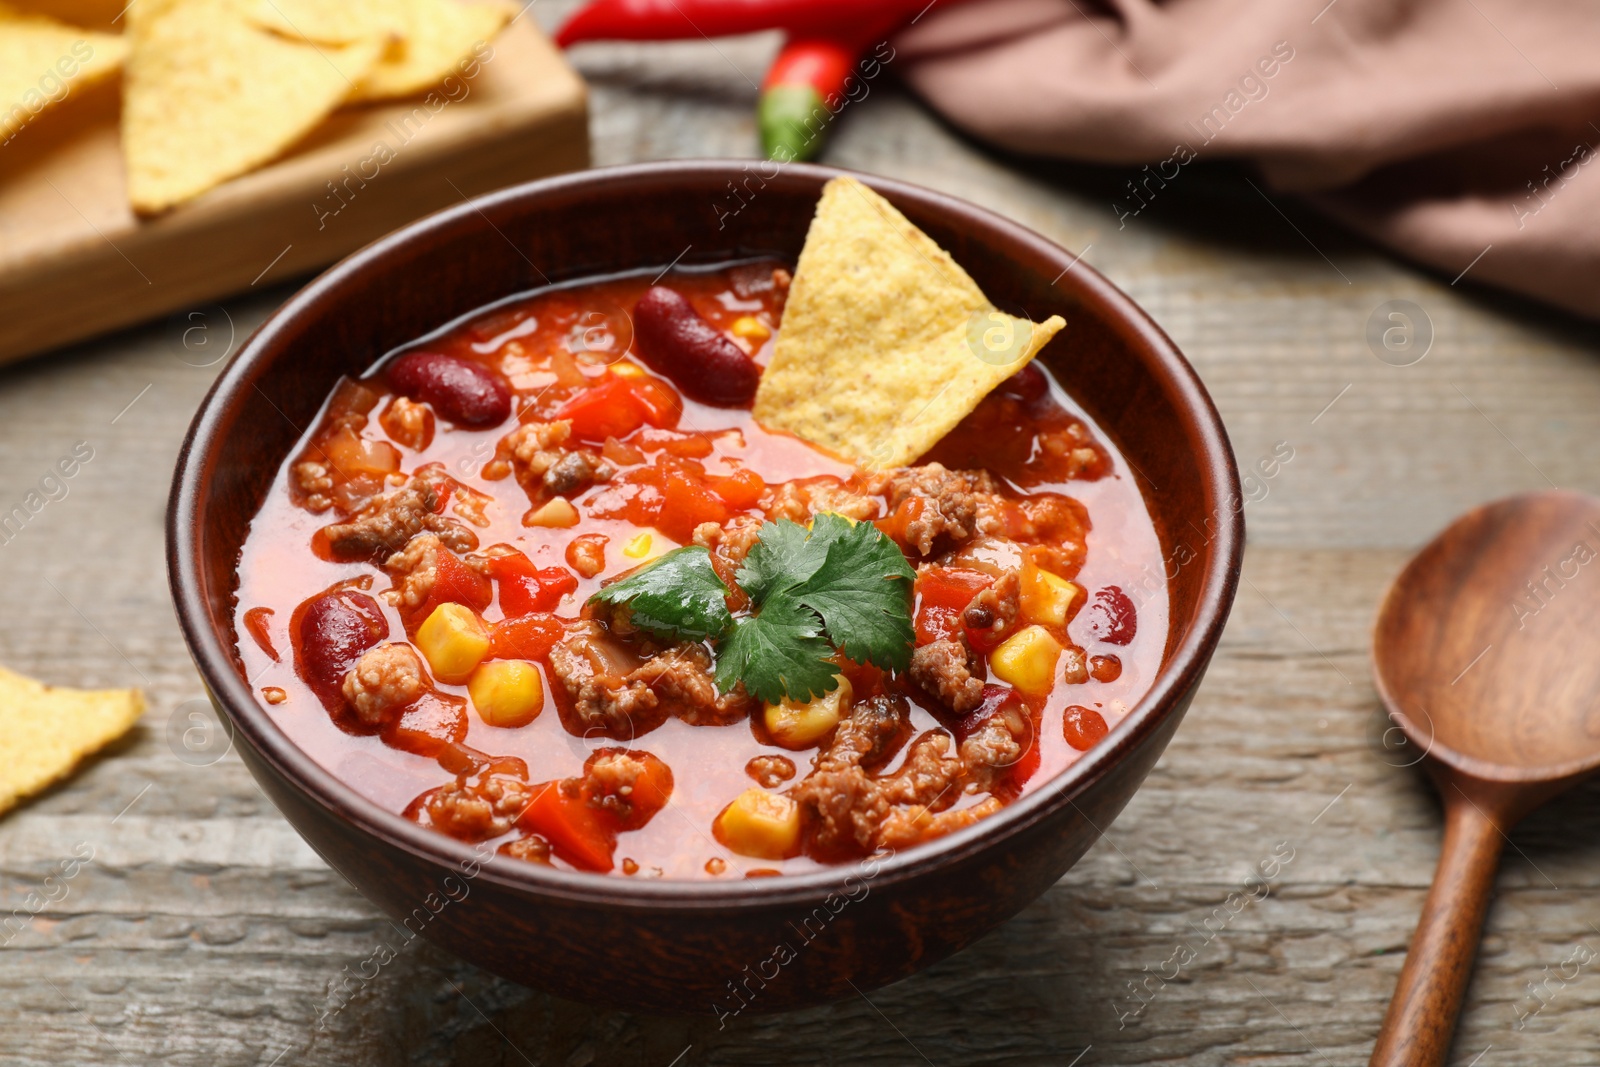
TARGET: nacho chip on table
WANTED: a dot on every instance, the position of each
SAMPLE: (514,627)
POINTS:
(210,95)
(886,343)
(43,62)
(429,37)
(46,731)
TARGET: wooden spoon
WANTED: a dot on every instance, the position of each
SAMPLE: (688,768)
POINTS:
(1487,654)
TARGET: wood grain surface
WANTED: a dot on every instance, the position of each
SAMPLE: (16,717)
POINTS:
(204,932)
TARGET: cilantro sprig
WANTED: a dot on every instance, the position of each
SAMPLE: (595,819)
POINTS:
(837,586)
(678,597)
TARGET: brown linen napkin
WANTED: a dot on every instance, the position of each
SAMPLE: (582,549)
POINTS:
(1461,133)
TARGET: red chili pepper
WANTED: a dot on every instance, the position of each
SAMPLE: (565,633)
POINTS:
(661,20)
(803,90)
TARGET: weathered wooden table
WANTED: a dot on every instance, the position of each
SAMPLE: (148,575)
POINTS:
(204,932)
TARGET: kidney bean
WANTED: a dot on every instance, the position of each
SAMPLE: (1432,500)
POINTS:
(334,629)
(466,393)
(1112,618)
(1028,384)
(674,340)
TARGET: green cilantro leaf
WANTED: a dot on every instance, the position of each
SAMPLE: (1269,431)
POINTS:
(836,586)
(786,554)
(678,597)
(777,653)
(862,590)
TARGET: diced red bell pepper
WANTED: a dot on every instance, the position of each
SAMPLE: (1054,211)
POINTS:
(740,490)
(942,594)
(455,583)
(529,590)
(428,726)
(524,637)
(685,504)
(610,409)
(582,835)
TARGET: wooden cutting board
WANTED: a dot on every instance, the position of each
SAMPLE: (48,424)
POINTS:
(75,261)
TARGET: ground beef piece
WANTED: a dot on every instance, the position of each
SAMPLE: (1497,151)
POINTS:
(617,693)
(476,810)
(681,679)
(472,505)
(536,452)
(948,670)
(990,751)
(995,608)
(610,781)
(390,521)
(575,471)
(911,826)
(314,483)
(416,570)
(770,771)
(384,680)
(845,803)
(801,501)
(603,699)
(408,423)
(586,554)
(729,543)
(530,849)
(851,809)
(958,505)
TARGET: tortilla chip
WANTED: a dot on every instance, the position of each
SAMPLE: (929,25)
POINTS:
(432,37)
(210,96)
(43,62)
(46,731)
(331,23)
(886,343)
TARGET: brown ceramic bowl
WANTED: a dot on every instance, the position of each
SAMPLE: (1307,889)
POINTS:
(700,947)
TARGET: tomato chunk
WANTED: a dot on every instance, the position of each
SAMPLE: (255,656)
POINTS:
(529,590)
(685,504)
(740,490)
(524,637)
(610,409)
(455,583)
(942,593)
(429,726)
(583,836)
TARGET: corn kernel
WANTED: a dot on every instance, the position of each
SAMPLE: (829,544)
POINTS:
(638,547)
(1027,660)
(557,512)
(1047,599)
(761,825)
(750,328)
(454,641)
(624,369)
(507,692)
(802,724)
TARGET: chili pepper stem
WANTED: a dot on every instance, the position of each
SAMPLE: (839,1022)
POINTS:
(803,90)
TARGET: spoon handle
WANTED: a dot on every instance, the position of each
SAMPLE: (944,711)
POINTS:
(1422,1016)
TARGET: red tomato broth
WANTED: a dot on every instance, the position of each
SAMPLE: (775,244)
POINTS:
(529,340)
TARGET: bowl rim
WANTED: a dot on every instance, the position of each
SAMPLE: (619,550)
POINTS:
(235,699)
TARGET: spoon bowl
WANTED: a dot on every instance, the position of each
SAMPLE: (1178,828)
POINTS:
(1486,656)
